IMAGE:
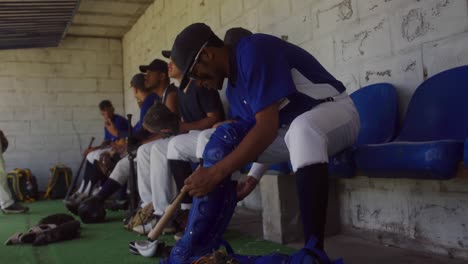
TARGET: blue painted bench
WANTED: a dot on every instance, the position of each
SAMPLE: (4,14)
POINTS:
(433,136)
(377,106)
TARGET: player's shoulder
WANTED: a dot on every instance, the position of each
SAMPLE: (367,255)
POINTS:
(258,42)
(120,119)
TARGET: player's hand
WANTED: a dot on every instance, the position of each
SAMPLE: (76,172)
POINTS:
(183,127)
(87,151)
(108,123)
(245,187)
(202,181)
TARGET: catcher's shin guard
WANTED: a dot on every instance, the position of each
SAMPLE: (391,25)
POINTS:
(310,254)
(208,219)
(210,215)
(223,141)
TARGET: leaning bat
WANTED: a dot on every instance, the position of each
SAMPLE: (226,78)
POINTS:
(75,180)
(132,180)
(167,216)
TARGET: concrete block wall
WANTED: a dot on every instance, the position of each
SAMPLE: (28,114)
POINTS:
(424,215)
(361,42)
(49,98)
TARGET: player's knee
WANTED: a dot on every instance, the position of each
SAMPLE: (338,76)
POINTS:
(158,148)
(141,151)
(173,150)
(205,135)
(221,143)
(301,132)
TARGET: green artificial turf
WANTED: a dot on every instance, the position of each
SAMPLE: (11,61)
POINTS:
(99,243)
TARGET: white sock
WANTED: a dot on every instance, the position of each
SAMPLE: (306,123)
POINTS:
(185,206)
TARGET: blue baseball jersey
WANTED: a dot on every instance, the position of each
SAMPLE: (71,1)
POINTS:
(120,124)
(265,70)
(147,103)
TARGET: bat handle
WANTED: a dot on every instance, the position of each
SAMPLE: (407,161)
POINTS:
(168,214)
(91,142)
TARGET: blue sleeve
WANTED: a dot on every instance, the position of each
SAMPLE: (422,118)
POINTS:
(107,135)
(121,124)
(266,73)
(147,103)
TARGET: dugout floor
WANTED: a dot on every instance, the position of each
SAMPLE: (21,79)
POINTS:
(108,243)
(100,243)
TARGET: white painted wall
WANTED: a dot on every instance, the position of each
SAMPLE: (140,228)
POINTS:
(360,41)
(49,101)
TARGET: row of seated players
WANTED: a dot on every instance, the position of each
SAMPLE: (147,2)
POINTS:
(160,155)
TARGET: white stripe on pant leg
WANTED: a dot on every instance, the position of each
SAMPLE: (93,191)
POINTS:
(5,197)
(321,132)
(82,187)
(202,140)
(184,147)
(163,187)
(121,171)
(95,154)
(88,188)
(143,172)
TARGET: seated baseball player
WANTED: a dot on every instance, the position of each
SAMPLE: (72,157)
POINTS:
(199,109)
(181,169)
(7,204)
(114,126)
(290,108)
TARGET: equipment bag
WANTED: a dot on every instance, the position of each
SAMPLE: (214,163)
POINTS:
(23,185)
(59,182)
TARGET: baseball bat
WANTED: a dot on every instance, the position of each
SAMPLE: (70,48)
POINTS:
(132,180)
(75,180)
(167,216)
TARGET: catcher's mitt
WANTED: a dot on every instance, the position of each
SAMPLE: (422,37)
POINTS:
(3,141)
(107,161)
(159,119)
(119,147)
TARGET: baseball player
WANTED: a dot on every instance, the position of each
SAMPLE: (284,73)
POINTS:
(7,204)
(199,109)
(290,108)
(114,126)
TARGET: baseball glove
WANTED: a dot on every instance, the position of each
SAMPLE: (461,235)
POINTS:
(107,161)
(159,119)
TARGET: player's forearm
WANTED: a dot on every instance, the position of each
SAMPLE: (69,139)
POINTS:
(201,124)
(113,131)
